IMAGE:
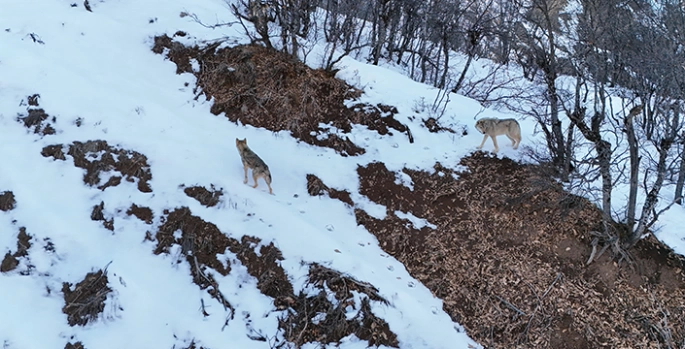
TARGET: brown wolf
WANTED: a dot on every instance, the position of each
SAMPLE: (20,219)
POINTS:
(253,161)
(494,127)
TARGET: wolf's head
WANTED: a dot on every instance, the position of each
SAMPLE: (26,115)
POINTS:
(481,125)
(241,144)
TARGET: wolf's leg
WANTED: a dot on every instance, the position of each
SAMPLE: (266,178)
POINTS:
(245,168)
(267,179)
(513,140)
(255,177)
(494,141)
(485,137)
(518,141)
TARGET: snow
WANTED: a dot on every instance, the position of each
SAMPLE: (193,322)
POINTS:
(97,67)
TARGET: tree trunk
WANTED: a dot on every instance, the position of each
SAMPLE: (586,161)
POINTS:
(681,175)
(652,197)
(604,158)
(473,45)
(557,133)
(634,165)
(550,70)
(648,209)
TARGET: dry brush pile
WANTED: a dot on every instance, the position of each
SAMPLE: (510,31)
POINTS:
(509,257)
(266,88)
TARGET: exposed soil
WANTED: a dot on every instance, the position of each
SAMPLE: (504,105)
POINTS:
(141,212)
(98,158)
(433,125)
(36,118)
(86,301)
(77,345)
(98,214)
(271,278)
(265,88)
(11,260)
(508,259)
(316,187)
(7,201)
(201,242)
(315,318)
(206,197)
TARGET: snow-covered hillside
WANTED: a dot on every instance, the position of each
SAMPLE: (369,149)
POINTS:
(99,80)
(95,78)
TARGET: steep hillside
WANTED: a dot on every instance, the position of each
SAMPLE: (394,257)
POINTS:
(500,242)
(126,223)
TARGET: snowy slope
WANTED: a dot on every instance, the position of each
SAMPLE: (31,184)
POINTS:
(97,67)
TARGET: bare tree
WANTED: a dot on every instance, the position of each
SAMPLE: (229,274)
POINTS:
(259,14)
(344,23)
(537,35)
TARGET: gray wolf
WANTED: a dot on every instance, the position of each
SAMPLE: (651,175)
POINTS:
(254,162)
(493,127)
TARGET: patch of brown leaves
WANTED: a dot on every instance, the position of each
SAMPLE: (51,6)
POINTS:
(77,345)
(433,125)
(86,301)
(97,157)
(141,212)
(316,187)
(206,197)
(201,242)
(265,267)
(36,117)
(314,318)
(267,88)
(7,201)
(508,259)
(98,214)
(11,260)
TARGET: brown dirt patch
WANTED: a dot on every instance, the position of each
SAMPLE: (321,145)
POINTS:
(302,321)
(206,197)
(11,260)
(86,301)
(9,263)
(508,259)
(199,240)
(271,278)
(36,118)
(141,212)
(97,158)
(202,241)
(316,187)
(314,318)
(7,201)
(98,214)
(77,345)
(266,88)
(433,125)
